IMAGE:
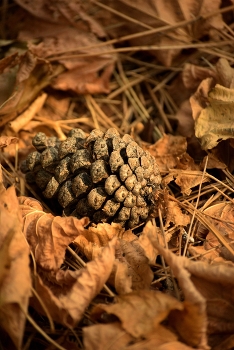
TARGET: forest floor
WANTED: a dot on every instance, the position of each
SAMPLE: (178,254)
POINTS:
(162,72)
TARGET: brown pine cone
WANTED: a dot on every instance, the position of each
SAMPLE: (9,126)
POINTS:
(102,176)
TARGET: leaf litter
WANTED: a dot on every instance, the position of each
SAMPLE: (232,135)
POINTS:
(163,73)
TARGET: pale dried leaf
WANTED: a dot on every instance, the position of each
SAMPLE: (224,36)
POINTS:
(15,281)
(48,235)
(103,233)
(213,122)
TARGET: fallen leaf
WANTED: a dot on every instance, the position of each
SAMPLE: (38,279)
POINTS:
(48,235)
(185,179)
(120,278)
(215,283)
(83,82)
(213,113)
(224,213)
(207,289)
(140,312)
(149,15)
(130,255)
(193,75)
(106,336)
(28,69)
(193,317)
(175,216)
(64,13)
(167,151)
(185,120)
(66,294)
(63,39)
(113,337)
(7,140)
(133,255)
(15,283)
(145,242)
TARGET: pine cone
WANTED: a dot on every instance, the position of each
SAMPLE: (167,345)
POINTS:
(102,176)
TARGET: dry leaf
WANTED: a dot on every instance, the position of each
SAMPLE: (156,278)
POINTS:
(133,255)
(185,120)
(168,150)
(61,13)
(215,283)
(64,35)
(15,283)
(193,75)
(145,242)
(28,69)
(102,233)
(185,179)
(67,294)
(207,289)
(193,316)
(106,336)
(128,252)
(175,216)
(120,278)
(155,14)
(113,337)
(48,235)
(213,113)
(82,82)
(224,213)
(140,312)
(7,140)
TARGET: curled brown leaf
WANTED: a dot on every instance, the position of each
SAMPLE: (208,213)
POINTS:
(48,235)
(66,294)
(15,283)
